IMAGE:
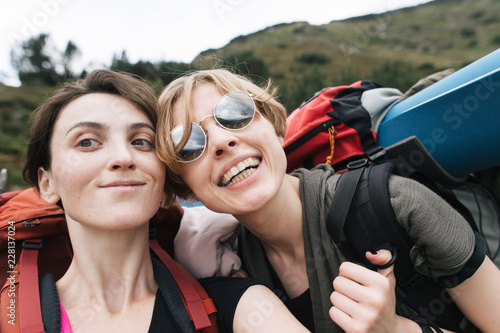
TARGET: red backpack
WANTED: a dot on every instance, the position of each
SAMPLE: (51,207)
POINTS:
(331,127)
(34,241)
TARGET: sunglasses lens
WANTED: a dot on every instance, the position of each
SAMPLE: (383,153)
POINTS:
(194,146)
(235,110)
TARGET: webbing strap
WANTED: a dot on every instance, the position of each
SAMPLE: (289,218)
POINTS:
(378,190)
(30,313)
(193,299)
(172,297)
(347,184)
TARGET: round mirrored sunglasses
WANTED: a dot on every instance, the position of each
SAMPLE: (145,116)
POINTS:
(234,111)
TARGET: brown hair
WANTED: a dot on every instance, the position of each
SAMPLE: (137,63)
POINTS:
(128,86)
(182,88)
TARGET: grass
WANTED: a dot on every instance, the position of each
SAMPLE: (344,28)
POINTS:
(16,105)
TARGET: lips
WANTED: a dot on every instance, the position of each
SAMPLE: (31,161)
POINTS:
(240,171)
(123,183)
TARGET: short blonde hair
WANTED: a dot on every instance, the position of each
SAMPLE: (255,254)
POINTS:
(181,90)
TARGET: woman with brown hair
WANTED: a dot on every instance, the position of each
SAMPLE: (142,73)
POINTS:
(92,151)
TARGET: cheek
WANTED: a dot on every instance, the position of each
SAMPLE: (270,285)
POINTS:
(67,159)
(70,174)
(63,176)
(68,184)
(189,174)
(280,156)
(154,169)
(265,134)
(159,175)
(195,176)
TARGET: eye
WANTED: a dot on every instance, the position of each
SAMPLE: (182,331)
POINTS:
(88,143)
(142,142)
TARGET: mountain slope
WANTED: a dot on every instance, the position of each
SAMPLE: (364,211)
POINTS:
(407,44)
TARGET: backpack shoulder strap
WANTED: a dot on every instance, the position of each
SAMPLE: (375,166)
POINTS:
(362,210)
(50,304)
(380,202)
(344,194)
(371,224)
(198,308)
(169,291)
(30,316)
(416,290)
(353,217)
(28,291)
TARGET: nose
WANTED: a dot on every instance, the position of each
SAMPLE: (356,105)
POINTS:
(220,140)
(122,157)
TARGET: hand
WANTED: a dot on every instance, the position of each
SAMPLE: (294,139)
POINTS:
(364,300)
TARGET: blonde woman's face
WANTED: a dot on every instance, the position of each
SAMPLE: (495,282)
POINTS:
(240,170)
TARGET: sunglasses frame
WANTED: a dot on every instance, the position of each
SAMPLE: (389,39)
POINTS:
(251,96)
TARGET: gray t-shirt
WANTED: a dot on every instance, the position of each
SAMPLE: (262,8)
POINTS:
(444,241)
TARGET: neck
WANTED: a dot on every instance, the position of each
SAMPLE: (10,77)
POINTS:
(109,267)
(278,224)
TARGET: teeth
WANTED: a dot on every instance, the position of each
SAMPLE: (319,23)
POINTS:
(240,171)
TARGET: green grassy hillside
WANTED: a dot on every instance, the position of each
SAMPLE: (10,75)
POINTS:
(16,105)
(395,48)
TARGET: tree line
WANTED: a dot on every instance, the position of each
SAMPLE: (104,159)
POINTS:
(38,63)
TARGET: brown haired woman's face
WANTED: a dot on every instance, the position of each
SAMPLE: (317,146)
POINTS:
(103,163)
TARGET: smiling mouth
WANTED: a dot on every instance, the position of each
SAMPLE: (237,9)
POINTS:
(240,171)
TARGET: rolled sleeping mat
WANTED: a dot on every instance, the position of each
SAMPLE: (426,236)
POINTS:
(457,119)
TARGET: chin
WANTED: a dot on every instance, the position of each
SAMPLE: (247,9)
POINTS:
(245,207)
(124,222)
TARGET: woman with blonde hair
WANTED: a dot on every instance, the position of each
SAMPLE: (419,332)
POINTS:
(221,137)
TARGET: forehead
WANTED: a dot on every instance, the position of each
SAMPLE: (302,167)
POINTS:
(203,99)
(99,107)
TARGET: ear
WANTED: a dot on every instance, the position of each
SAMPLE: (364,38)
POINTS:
(163,199)
(46,189)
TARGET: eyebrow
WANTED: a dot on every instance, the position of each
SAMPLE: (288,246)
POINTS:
(141,125)
(102,127)
(88,124)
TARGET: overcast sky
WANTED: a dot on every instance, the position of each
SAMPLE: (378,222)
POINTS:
(160,29)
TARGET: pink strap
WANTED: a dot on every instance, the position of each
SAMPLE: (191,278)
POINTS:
(65,325)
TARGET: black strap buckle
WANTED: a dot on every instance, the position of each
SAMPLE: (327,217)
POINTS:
(33,244)
(31,223)
(153,233)
(357,164)
(375,153)
(394,253)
